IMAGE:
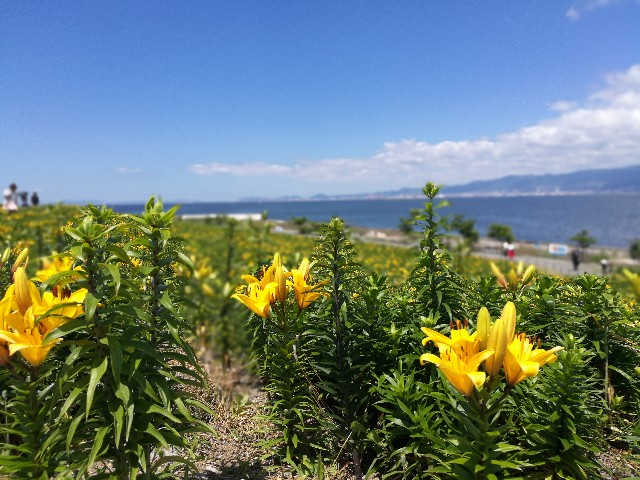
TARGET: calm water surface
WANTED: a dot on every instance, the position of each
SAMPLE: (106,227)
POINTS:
(614,220)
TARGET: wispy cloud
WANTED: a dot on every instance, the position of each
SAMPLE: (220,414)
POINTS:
(242,169)
(603,131)
(581,7)
(127,170)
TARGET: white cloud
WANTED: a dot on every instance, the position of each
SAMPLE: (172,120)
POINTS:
(243,169)
(127,170)
(581,7)
(562,106)
(603,132)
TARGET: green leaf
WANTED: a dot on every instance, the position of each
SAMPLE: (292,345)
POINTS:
(173,458)
(115,352)
(151,430)
(97,444)
(70,400)
(158,409)
(115,274)
(166,302)
(119,253)
(64,329)
(96,374)
(90,304)
(117,412)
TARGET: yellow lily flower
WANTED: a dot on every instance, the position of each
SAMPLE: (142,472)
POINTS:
(60,307)
(461,371)
(275,273)
(523,359)
(26,337)
(460,358)
(304,293)
(258,299)
(23,291)
(22,325)
(5,305)
(460,339)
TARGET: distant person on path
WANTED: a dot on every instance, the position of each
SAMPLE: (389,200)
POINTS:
(511,251)
(576,258)
(24,199)
(35,200)
(604,263)
(10,203)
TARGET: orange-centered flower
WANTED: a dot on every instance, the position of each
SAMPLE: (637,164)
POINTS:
(258,299)
(523,359)
(27,317)
(27,338)
(460,358)
(304,293)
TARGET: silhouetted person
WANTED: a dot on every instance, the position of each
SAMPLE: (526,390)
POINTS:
(604,263)
(24,199)
(575,258)
(35,200)
(10,203)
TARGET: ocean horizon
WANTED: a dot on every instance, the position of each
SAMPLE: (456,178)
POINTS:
(613,220)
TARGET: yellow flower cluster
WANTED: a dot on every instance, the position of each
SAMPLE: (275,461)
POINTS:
(495,345)
(515,278)
(26,316)
(274,283)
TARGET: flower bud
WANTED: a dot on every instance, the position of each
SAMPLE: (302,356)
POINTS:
(22,290)
(21,260)
(498,343)
(508,316)
(280,278)
(483,326)
(528,274)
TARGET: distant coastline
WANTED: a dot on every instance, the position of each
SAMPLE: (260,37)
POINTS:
(614,181)
(614,220)
(420,195)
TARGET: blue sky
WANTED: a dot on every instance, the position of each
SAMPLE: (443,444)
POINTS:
(219,100)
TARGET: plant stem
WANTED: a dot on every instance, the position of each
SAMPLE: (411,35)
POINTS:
(35,427)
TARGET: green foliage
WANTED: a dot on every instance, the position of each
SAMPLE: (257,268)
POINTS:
(561,414)
(407,437)
(345,386)
(127,378)
(583,239)
(408,224)
(502,233)
(111,402)
(466,228)
(345,328)
(439,290)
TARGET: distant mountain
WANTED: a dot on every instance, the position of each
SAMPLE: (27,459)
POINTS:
(618,180)
(596,181)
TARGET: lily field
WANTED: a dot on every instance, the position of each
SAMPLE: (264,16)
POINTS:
(369,360)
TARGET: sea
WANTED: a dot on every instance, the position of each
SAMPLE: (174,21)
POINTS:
(612,219)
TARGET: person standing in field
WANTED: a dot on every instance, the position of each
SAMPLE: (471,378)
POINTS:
(10,195)
(35,200)
(576,258)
